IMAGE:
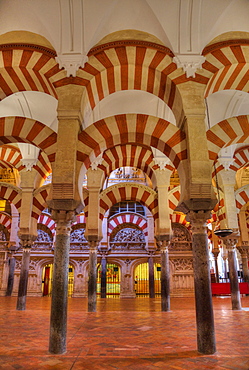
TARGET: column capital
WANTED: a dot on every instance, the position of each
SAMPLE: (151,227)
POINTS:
(63,221)
(26,240)
(230,243)
(243,250)
(163,242)
(198,220)
(93,241)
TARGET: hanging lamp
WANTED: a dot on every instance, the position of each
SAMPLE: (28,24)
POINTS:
(221,233)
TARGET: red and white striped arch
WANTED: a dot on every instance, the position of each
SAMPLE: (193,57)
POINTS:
(39,201)
(241,159)
(128,65)
(227,132)
(127,191)
(242,197)
(27,68)
(5,220)
(127,218)
(10,157)
(46,220)
(130,155)
(180,218)
(11,193)
(227,66)
(173,198)
(137,129)
(26,130)
(43,165)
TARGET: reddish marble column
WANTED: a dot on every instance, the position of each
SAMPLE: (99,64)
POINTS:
(203,296)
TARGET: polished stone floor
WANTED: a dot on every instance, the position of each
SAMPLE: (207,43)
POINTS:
(123,334)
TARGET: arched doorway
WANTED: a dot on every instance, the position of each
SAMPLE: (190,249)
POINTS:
(112,280)
(141,279)
(47,280)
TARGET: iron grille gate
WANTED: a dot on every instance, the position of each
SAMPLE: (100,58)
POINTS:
(141,281)
(112,280)
(47,280)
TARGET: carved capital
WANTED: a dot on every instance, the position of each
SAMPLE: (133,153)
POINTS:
(243,251)
(27,240)
(63,221)
(93,245)
(198,221)
(230,243)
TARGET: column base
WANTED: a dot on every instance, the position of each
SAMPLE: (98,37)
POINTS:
(127,295)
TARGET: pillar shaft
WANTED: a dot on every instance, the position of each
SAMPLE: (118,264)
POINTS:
(203,296)
(58,318)
(103,277)
(165,278)
(245,267)
(216,266)
(23,282)
(12,264)
(92,277)
(233,274)
(151,277)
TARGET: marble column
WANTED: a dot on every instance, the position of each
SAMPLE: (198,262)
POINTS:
(12,264)
(224,258)
(151,277)
(26,242)
(243,251)
(163,241)
(23,282)
(58,317)
(233,274)
(203,295)
(216,254)
(165,277)
(103,276)
(92,276)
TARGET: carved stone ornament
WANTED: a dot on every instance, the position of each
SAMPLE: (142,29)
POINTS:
(78,236)
(181,239)
(230,243)
(198,221)
(189,62)
(128,238)
(183,264)
(63,221)
(29,163)
(96,162)
(162,163)
(42,236)
(71,62)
